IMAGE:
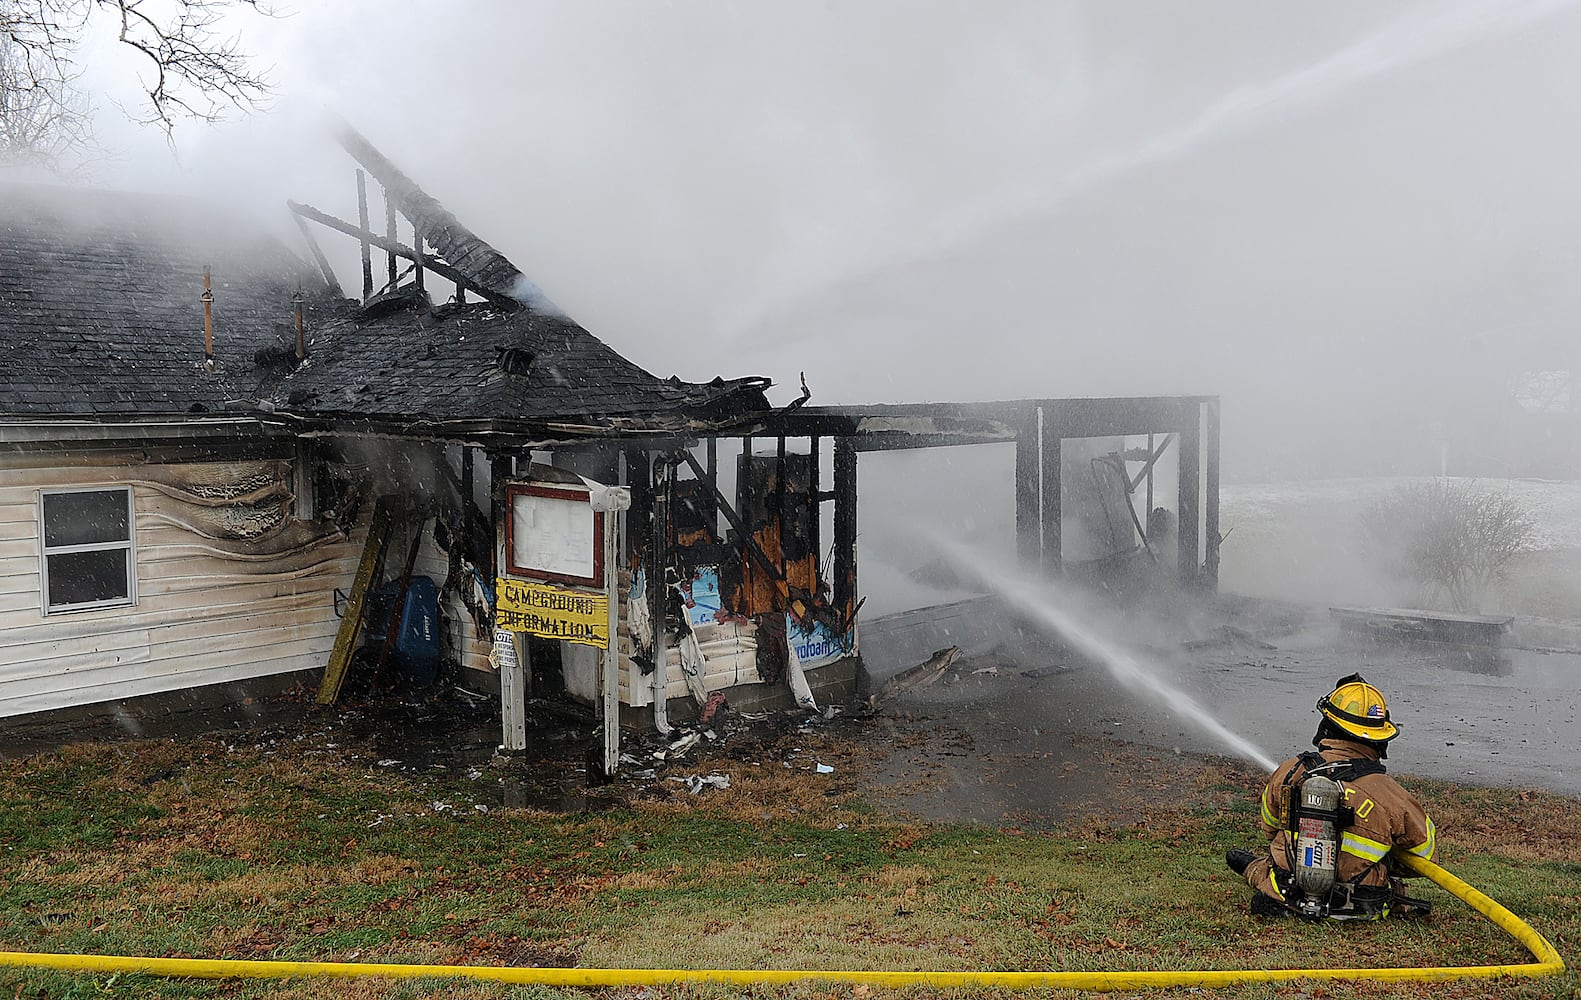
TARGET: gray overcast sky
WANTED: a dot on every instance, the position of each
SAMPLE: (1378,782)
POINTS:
(1351,220)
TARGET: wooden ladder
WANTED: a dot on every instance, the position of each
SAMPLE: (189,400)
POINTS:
(380,527)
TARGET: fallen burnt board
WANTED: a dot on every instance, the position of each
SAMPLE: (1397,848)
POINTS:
(1425,626)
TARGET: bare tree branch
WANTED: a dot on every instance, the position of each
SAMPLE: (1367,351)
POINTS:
(193,70)
(45,122)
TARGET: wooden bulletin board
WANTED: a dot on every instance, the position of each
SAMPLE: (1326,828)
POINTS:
(552,533)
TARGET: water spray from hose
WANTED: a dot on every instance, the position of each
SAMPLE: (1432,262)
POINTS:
(1036,600)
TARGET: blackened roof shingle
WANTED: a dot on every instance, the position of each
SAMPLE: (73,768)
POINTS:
(101,316)
(477,362)
(100,302)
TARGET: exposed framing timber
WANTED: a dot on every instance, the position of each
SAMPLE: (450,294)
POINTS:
(844,524)
(391,234)
(443,270)
(363,233)
(796,604)
(711,502)
(814,506)
(318,256)
(1153,455)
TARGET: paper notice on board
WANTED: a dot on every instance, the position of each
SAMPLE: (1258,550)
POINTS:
(503,655)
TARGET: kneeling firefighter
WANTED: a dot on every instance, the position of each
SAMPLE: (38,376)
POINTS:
(1333,817)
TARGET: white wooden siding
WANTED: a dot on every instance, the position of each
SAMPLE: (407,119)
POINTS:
(204,615)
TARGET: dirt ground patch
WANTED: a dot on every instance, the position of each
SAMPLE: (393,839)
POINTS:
(910,758)
(1017,732)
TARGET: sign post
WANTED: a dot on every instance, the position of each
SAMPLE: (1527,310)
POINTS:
(609,503)
(560,580)
(514,681)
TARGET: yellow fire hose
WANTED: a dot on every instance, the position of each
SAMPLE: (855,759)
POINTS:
(1547,963)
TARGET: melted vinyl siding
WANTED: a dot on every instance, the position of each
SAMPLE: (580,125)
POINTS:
(209,610)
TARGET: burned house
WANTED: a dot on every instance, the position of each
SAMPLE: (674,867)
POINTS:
(204,444)
(217,467)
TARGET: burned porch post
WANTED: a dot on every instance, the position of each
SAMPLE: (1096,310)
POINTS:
(844,525)
(1188,567)
(1053,547)
(1210,500)
(1029,546)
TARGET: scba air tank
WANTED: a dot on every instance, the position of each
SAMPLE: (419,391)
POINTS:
(1317,830)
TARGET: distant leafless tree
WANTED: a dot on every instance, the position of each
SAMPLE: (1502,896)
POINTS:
(1450,538)
(192,71)
(44,120)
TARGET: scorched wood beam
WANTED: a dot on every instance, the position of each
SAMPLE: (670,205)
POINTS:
(401,250)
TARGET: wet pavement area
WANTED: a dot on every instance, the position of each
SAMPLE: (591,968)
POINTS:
(1023,726)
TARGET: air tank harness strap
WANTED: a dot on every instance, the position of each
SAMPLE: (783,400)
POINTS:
(1350,769)
(1312,763)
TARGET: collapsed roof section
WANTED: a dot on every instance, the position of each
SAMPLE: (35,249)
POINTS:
(485,267)
(512,366)
(106,315)
(477,370)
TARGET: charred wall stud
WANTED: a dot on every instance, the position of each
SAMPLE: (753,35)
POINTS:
(844,525)
(711,454)
(366,244)
(814,506)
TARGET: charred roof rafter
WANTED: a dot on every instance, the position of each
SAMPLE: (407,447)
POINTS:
(453,251)
(489,271)
(399,249)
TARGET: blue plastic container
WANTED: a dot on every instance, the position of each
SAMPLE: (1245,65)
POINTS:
(416,652)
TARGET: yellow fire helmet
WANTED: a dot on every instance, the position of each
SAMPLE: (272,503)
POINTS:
(1358,708)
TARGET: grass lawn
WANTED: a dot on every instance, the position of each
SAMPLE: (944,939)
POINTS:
(306,850)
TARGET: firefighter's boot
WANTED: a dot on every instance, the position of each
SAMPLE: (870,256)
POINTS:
(1264,906)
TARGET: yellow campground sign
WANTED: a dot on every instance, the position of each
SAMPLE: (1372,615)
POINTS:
(552,612)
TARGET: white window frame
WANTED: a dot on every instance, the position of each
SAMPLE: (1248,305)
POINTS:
(129,545)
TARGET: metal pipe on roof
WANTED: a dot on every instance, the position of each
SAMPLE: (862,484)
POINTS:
(301,335)
(208,319)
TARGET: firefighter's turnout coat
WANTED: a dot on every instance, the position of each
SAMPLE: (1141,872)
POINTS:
(1386,818)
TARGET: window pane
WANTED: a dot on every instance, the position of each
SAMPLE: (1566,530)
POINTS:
(86,518)
(85,577)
